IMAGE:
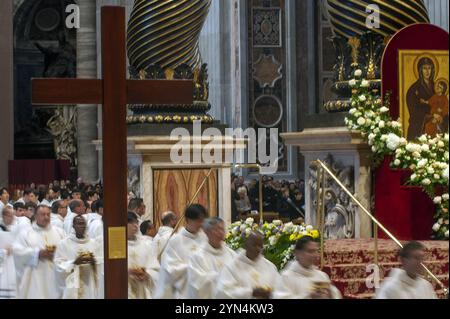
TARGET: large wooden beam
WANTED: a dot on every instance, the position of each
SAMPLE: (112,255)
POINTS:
(114,152)
(66,91)
(174,92)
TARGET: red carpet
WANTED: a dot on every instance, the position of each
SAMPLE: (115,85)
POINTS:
(346,262)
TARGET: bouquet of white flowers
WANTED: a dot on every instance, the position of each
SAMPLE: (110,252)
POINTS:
(279,238)
(427,157)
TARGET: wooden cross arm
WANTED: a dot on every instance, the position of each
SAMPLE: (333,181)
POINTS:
(90,91)
(161,92)
(66,91)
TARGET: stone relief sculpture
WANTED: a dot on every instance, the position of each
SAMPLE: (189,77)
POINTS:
(59,61)
(134,179)
(63,130)
(339,210)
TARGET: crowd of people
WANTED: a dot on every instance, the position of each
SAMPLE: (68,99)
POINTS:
(283,197)
(51,247)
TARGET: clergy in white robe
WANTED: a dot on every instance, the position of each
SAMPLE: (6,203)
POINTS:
(79,260)
(249,275)
(137,207)
(95,229)
(8,220)
(206,264)
(59,212)
(7,266)
(95,220)
(408,283)
(29,195)
(142,263)
(4,198)
(169,221)
(34,252)
(172,281)
(97,212)
(77,207)
(148,231)
(301,279)
(24,213)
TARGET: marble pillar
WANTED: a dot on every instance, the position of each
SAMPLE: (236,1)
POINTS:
(215,51)
(350,153)
(87,114)
(239,63)
(438,12)
(6,89)
(128,4)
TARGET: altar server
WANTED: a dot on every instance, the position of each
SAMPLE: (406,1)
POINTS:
(206,264)
(249,275)
(34,251)
(172,281)
(407,282)
(79,261)
(302,279)
(142,263)
(7,267)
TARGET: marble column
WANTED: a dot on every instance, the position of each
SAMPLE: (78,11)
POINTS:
(438,12)
(239,63)
(87,114)
(128,4)
(216,52)
(6,89)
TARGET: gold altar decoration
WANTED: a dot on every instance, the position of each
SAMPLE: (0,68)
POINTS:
(360,44)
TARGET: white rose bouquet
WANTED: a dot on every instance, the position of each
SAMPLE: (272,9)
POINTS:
(427,157)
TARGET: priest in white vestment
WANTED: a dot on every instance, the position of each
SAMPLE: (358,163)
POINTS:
(77,207)
(34,252)
(97,212)
(142,264)
(137,207)
(206,264)
(7,266)
(408,283)
(172,281)
(4,198)
(24,214)
(169,221)
(79,261)
(59,213)
(95,223)
(148,231)
(301,279)
(249,275)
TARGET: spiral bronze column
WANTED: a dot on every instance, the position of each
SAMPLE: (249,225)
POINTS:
(360,47)
(348,17)
(163,43)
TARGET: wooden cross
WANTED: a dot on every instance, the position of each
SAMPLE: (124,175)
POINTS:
(114,92)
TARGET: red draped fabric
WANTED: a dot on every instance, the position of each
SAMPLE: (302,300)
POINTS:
(406,211)
(25,172)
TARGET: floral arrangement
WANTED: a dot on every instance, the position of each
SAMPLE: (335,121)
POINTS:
(427,157)
(279,238)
